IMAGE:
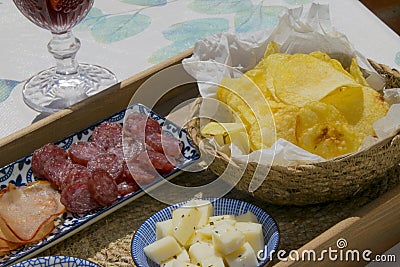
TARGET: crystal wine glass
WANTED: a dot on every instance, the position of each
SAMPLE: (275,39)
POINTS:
(68,82)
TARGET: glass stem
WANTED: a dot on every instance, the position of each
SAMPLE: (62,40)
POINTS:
(63,47)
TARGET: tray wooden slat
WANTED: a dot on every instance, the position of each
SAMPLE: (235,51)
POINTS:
(375,226)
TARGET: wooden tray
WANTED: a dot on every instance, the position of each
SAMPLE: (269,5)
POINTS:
(371,221)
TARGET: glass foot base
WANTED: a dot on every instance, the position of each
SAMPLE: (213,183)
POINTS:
(50,92)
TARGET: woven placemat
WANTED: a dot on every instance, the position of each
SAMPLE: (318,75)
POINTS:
(108,241)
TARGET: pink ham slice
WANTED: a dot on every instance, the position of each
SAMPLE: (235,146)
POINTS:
(27,213)
(6,246)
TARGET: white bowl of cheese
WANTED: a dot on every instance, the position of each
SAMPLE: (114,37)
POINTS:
(206,232)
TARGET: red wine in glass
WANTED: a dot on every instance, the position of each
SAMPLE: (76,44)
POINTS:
(68,82)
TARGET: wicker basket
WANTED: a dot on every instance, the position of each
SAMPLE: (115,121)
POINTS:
(331,180)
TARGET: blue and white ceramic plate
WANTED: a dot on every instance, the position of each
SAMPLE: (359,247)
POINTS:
(146,234)
(20,173)
(55,261)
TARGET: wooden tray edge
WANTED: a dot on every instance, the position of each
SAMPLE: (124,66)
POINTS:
(74,118)
(374,227)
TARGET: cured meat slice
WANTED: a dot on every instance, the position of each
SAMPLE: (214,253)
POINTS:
(126,174)
(108,162)
(27,213)
(152,126)
(56,170)
(107,135)
(126,184)
(103,188)
(138,125)
(132,148)
(77,173)
(165,144)
(118,150)
(127,187)
(77,198)
(141,172)
(42,155)
(158,160)
(82,152)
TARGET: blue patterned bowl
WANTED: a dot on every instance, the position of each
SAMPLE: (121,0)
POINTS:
(146,234)
(55,261)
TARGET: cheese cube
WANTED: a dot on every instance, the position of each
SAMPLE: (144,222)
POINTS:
(205,209)
(164,229)
(227,238)
(200,251)
(247,217)
(184,222)
(198,237)
(253,234)
(162,249)
(205,232)
(177,263)
(213,261)
(183,256)
(244,256)
(213,220)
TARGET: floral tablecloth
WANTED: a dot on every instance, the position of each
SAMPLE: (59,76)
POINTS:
(129,36)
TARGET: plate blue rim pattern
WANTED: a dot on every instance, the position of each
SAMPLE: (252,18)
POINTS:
(146,232)
(55,261)
(20,173)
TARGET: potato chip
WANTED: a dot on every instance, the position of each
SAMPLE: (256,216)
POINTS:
(335,63)
(323,130)
(243,87)
(329,140)
(258,76)
(349,100)
(356,73)
(272,48)
(321,55)
(285,123)
(361,106)
(244,97)
(303,78)
(262,137)
(271,63)
(281,124)
(317,112)
(375,107)
(307,99)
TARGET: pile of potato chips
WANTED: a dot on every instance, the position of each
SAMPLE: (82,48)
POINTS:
(308,99)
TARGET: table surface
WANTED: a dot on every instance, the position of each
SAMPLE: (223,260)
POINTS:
(129,36)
